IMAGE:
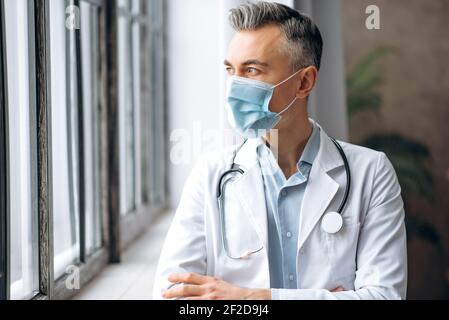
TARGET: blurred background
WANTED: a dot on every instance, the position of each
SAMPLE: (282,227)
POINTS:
(105,106)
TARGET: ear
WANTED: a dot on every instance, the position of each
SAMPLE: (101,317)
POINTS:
(308,80)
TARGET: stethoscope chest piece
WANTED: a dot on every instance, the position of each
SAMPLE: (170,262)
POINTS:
(332,222)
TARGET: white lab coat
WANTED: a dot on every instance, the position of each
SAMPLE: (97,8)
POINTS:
(367,257)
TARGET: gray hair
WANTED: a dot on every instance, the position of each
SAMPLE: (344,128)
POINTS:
(303,38)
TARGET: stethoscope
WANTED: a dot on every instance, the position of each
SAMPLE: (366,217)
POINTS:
(331,223)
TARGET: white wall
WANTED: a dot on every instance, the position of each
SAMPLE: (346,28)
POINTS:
(193,77)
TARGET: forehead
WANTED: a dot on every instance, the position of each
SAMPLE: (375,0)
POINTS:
(263,44)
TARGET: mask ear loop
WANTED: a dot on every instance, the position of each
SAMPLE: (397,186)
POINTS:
(284,81)
(296,98)
(289,106)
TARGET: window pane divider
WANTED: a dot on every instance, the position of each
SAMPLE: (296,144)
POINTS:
(45,220)
(110,78)
(80,100)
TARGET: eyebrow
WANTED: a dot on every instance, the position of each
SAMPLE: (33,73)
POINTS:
(249,62)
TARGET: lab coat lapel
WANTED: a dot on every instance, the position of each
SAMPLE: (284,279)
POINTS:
(321,187)
(250,189)
(320,191)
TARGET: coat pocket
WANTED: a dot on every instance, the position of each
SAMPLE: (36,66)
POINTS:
(342,251)
(238,232)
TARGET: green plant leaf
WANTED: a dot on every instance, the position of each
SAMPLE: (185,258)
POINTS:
(359,101)
(367,67)
(362,81)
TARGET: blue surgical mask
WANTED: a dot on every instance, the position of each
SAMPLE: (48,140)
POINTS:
(248,105)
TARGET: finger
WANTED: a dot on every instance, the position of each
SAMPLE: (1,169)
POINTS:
(196,298)
(183,291)
(339,289)
(189,277)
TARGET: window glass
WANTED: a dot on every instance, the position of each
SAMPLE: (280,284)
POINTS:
(23,262)
(64,151)
(141,112)
(91,101)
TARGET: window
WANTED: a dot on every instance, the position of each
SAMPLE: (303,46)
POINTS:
(140,113)
(21,149)
(66,100)
(75,101)
(64,134)
(75,122)
(153,115)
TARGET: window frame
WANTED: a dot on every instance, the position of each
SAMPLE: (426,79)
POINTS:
(44,215)
(89,265)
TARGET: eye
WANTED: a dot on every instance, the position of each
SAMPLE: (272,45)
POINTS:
(229,70)
(252,71)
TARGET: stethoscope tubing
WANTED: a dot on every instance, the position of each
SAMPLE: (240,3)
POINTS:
(234,168)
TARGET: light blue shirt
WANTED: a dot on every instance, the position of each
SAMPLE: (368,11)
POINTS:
(283,201)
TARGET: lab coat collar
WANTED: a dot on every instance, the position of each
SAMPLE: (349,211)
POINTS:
(320,191)
(327,157)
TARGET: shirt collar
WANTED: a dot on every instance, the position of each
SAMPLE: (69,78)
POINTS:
(312,146)
(310,150)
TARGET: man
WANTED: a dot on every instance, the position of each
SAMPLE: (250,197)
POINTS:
(272,230)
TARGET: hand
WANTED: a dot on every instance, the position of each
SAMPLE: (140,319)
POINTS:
(339,289)
(198,287)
